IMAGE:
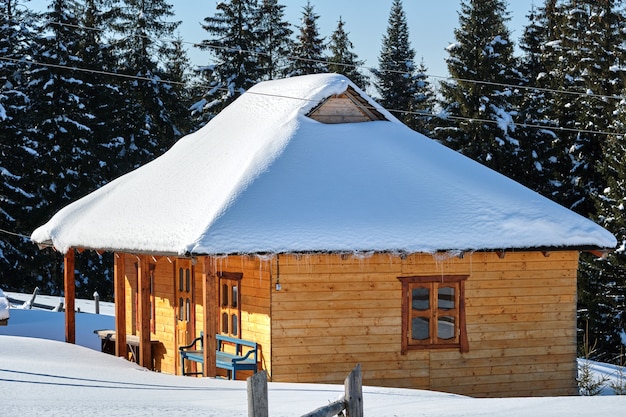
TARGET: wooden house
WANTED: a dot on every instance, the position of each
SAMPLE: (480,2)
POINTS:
(308,219)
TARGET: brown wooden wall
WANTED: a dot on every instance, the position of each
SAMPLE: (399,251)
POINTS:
(255,295)
(255,302)
(333,312)
(165,308)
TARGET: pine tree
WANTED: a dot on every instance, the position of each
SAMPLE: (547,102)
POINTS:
(342,59)
(17,153)
(61,134)
(234,47)
(541,151)
(177,69)
(274,37)
(100,94)
(579,55)
(398,82)
(553,76)
(600,176)
(575,47)
(482,54)
(583,59)
(102,100)
(593,52)
(602,282)
(422,110)
(308,55)
(147,126)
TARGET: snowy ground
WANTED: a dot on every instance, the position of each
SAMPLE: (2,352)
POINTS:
(41,375)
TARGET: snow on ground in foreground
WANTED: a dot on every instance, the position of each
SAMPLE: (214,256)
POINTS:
(52,378)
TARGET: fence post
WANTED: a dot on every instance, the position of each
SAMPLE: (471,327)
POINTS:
(354,393)
(257,395)
(96,299)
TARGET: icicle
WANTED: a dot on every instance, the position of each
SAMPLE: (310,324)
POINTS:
(218,263)
(267,258)
(441,257)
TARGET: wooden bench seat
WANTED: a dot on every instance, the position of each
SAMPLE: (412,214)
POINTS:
(232,354)
(108,339)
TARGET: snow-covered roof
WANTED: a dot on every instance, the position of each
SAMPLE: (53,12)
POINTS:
(262,177)
(4,307)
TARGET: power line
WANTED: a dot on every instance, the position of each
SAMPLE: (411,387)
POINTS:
(530,125)
(459,118)
(91,71)
(405,112)
(6,232)
(524,87)
(203,44)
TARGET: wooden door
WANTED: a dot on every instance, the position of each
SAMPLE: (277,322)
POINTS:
(185,306)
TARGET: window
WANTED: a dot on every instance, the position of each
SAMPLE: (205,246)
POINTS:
(184,294)
(433,313)
(230,303)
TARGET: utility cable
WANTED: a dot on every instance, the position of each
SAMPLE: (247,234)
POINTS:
(205,45)
(6,232)
(396,111)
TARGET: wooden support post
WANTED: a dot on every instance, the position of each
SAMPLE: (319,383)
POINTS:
(209,306)
(145,348)
(96,301)
(119,289)
(463,340)
(354,393)
(70,296)
(257,395)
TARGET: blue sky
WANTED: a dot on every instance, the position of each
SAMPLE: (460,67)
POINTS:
(431,24)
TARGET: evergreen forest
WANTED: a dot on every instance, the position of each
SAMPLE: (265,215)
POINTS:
(92,89)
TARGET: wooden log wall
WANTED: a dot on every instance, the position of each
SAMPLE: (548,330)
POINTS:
(335,311)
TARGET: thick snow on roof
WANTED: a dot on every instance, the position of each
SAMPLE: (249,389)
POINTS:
(261,177)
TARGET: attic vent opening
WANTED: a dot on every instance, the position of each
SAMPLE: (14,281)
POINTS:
(348,107)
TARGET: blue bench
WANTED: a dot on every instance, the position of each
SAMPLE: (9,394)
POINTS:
(232,354)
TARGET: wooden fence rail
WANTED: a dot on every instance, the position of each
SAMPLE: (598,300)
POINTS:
(352,401)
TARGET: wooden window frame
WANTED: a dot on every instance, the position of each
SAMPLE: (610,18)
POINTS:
(230,279)
(433,283)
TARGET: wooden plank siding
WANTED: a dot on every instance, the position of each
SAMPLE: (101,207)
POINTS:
(255,304)
(335,311)
(348,107)
(164,308)
(255,300)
